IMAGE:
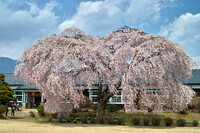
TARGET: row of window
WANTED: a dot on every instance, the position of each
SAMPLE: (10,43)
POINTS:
(95,92)
(116,99)
(113,100)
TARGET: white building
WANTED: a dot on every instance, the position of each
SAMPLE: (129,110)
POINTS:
(30,96)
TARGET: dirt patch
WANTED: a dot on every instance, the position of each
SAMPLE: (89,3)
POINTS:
(19,126)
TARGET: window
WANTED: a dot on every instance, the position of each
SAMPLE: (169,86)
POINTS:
(19,98)
(19,95)
(94,99)
(93,95)
(119,99)
(116,99)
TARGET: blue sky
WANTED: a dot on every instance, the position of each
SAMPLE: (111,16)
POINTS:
(25,21)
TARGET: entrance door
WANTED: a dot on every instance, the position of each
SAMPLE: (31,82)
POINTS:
(37,98)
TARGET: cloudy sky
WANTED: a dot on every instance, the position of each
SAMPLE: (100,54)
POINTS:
(23,22)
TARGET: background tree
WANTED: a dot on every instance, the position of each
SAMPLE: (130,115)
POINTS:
(6,93)
(127,58)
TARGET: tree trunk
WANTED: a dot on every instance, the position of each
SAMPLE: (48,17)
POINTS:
(100,112)
(101,105)
(102,98)
(138,100)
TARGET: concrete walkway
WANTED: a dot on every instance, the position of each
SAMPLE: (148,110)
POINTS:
(23,112)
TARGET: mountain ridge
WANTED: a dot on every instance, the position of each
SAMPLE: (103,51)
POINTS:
(7,65)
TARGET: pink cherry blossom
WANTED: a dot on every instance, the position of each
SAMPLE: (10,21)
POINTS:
(137,62)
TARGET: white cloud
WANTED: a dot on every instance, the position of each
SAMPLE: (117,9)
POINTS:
(185,30)
(20,27)
(107,15)
(13,49)
(95,16)
(28,22)
(144,10)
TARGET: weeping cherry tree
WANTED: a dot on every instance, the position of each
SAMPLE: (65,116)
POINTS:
(127,58)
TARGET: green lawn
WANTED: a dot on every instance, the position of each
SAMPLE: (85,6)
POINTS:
(33,125)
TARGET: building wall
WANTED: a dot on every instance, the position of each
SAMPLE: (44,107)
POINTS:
(196,88)
(28,98)
(32,98)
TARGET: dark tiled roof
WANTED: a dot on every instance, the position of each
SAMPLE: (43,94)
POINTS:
(16,81)
(195,79)
(27,87)
(12,80)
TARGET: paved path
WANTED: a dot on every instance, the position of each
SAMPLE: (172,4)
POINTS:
(24,112)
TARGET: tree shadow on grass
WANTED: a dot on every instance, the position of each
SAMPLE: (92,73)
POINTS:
(4,118)
(15,117)
(64,124)
(41,120)
(154,127)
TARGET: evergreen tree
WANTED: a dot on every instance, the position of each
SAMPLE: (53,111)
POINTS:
(6,93)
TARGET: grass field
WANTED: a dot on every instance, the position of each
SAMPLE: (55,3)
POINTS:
(31,125)
(27,124)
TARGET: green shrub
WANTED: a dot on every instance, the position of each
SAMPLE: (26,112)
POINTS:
(155,121)
(62,116)
(75,121)
(195,123)
(115,120)
(101,121)
(74,115)
(78,118)
(168,121)
(2,110)
(181,122)
(50,119)
(54,115)
(84,120)
(60,120)
(136,120)
(149,115)
(40,110)
(149,110)
(90,114)
(195,103)
(110,120)
(75,111)
(112,108)
(92,120)
(146,121)
(85,110)
(120,121)
(32,114)
(87,103)
(68,120)
(183,112)
(94,107)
